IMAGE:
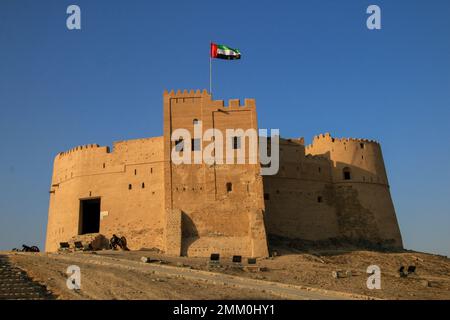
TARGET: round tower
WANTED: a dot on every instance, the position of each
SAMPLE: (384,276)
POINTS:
(362,197)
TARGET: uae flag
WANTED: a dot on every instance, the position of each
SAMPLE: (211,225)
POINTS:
(219,51)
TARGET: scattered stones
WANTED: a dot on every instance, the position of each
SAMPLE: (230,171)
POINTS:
(338,274)
(16,285)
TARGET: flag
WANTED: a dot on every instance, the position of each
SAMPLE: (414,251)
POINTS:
(219,51)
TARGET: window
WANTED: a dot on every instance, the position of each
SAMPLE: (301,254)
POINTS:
(319,199)
(266,196)
(104,166)
(346,173)
(130,187)
(143,185)
(320,169)
(195,121)
(361,145)
(195,145)
(135,172)
(229,187)
(236,143)
(179,145)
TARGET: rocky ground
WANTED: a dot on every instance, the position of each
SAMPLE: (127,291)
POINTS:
(121,275)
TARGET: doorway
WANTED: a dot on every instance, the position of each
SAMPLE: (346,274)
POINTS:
(89,216)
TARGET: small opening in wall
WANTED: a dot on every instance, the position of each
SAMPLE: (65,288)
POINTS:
(266,196)
(195,121)
(130,187)
(104,166)
(346,173)
(361,145)
(236,143)
(151,170)
(319,199)
(362,157)
(179,145)
(320,169)
(229,187)
(135,172)
(195,145)
(143,185)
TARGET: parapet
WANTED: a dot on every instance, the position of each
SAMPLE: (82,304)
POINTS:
(187,94)
(326,137)
(79,148)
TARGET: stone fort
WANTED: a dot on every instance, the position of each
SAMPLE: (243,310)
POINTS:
(333,189)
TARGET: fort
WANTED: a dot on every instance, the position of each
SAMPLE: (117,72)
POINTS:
(329,191)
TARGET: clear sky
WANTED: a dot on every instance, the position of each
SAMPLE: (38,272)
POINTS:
(312,66)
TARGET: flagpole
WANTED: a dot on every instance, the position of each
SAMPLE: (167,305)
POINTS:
(210,69)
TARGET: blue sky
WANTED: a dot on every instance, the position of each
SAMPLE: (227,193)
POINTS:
(312,66)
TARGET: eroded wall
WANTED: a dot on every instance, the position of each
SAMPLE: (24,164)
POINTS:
(311,198)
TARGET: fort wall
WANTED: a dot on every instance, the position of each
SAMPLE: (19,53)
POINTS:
(129,183)
(331,189)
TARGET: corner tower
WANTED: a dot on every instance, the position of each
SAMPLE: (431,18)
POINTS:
(363,202)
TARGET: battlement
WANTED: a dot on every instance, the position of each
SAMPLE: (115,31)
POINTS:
(181,96)
(187,93)
(78,148)
(328,138)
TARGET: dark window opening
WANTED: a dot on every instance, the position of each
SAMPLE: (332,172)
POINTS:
(104,166)
(319,199)
(195,121)
(236,143)
(195,145)
(89,216)
(135,172)
(179,145)
(320,169)
(229,187)
(347,174)
(266,196)
(361,145)
(130,187)
(143,185)
(151,170)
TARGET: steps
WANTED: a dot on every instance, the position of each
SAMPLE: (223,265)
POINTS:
(16,285)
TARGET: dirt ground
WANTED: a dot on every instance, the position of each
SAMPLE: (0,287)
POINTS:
(104,280)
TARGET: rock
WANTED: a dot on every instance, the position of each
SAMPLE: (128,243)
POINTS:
(145,259)
(426,283)
(337,274)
